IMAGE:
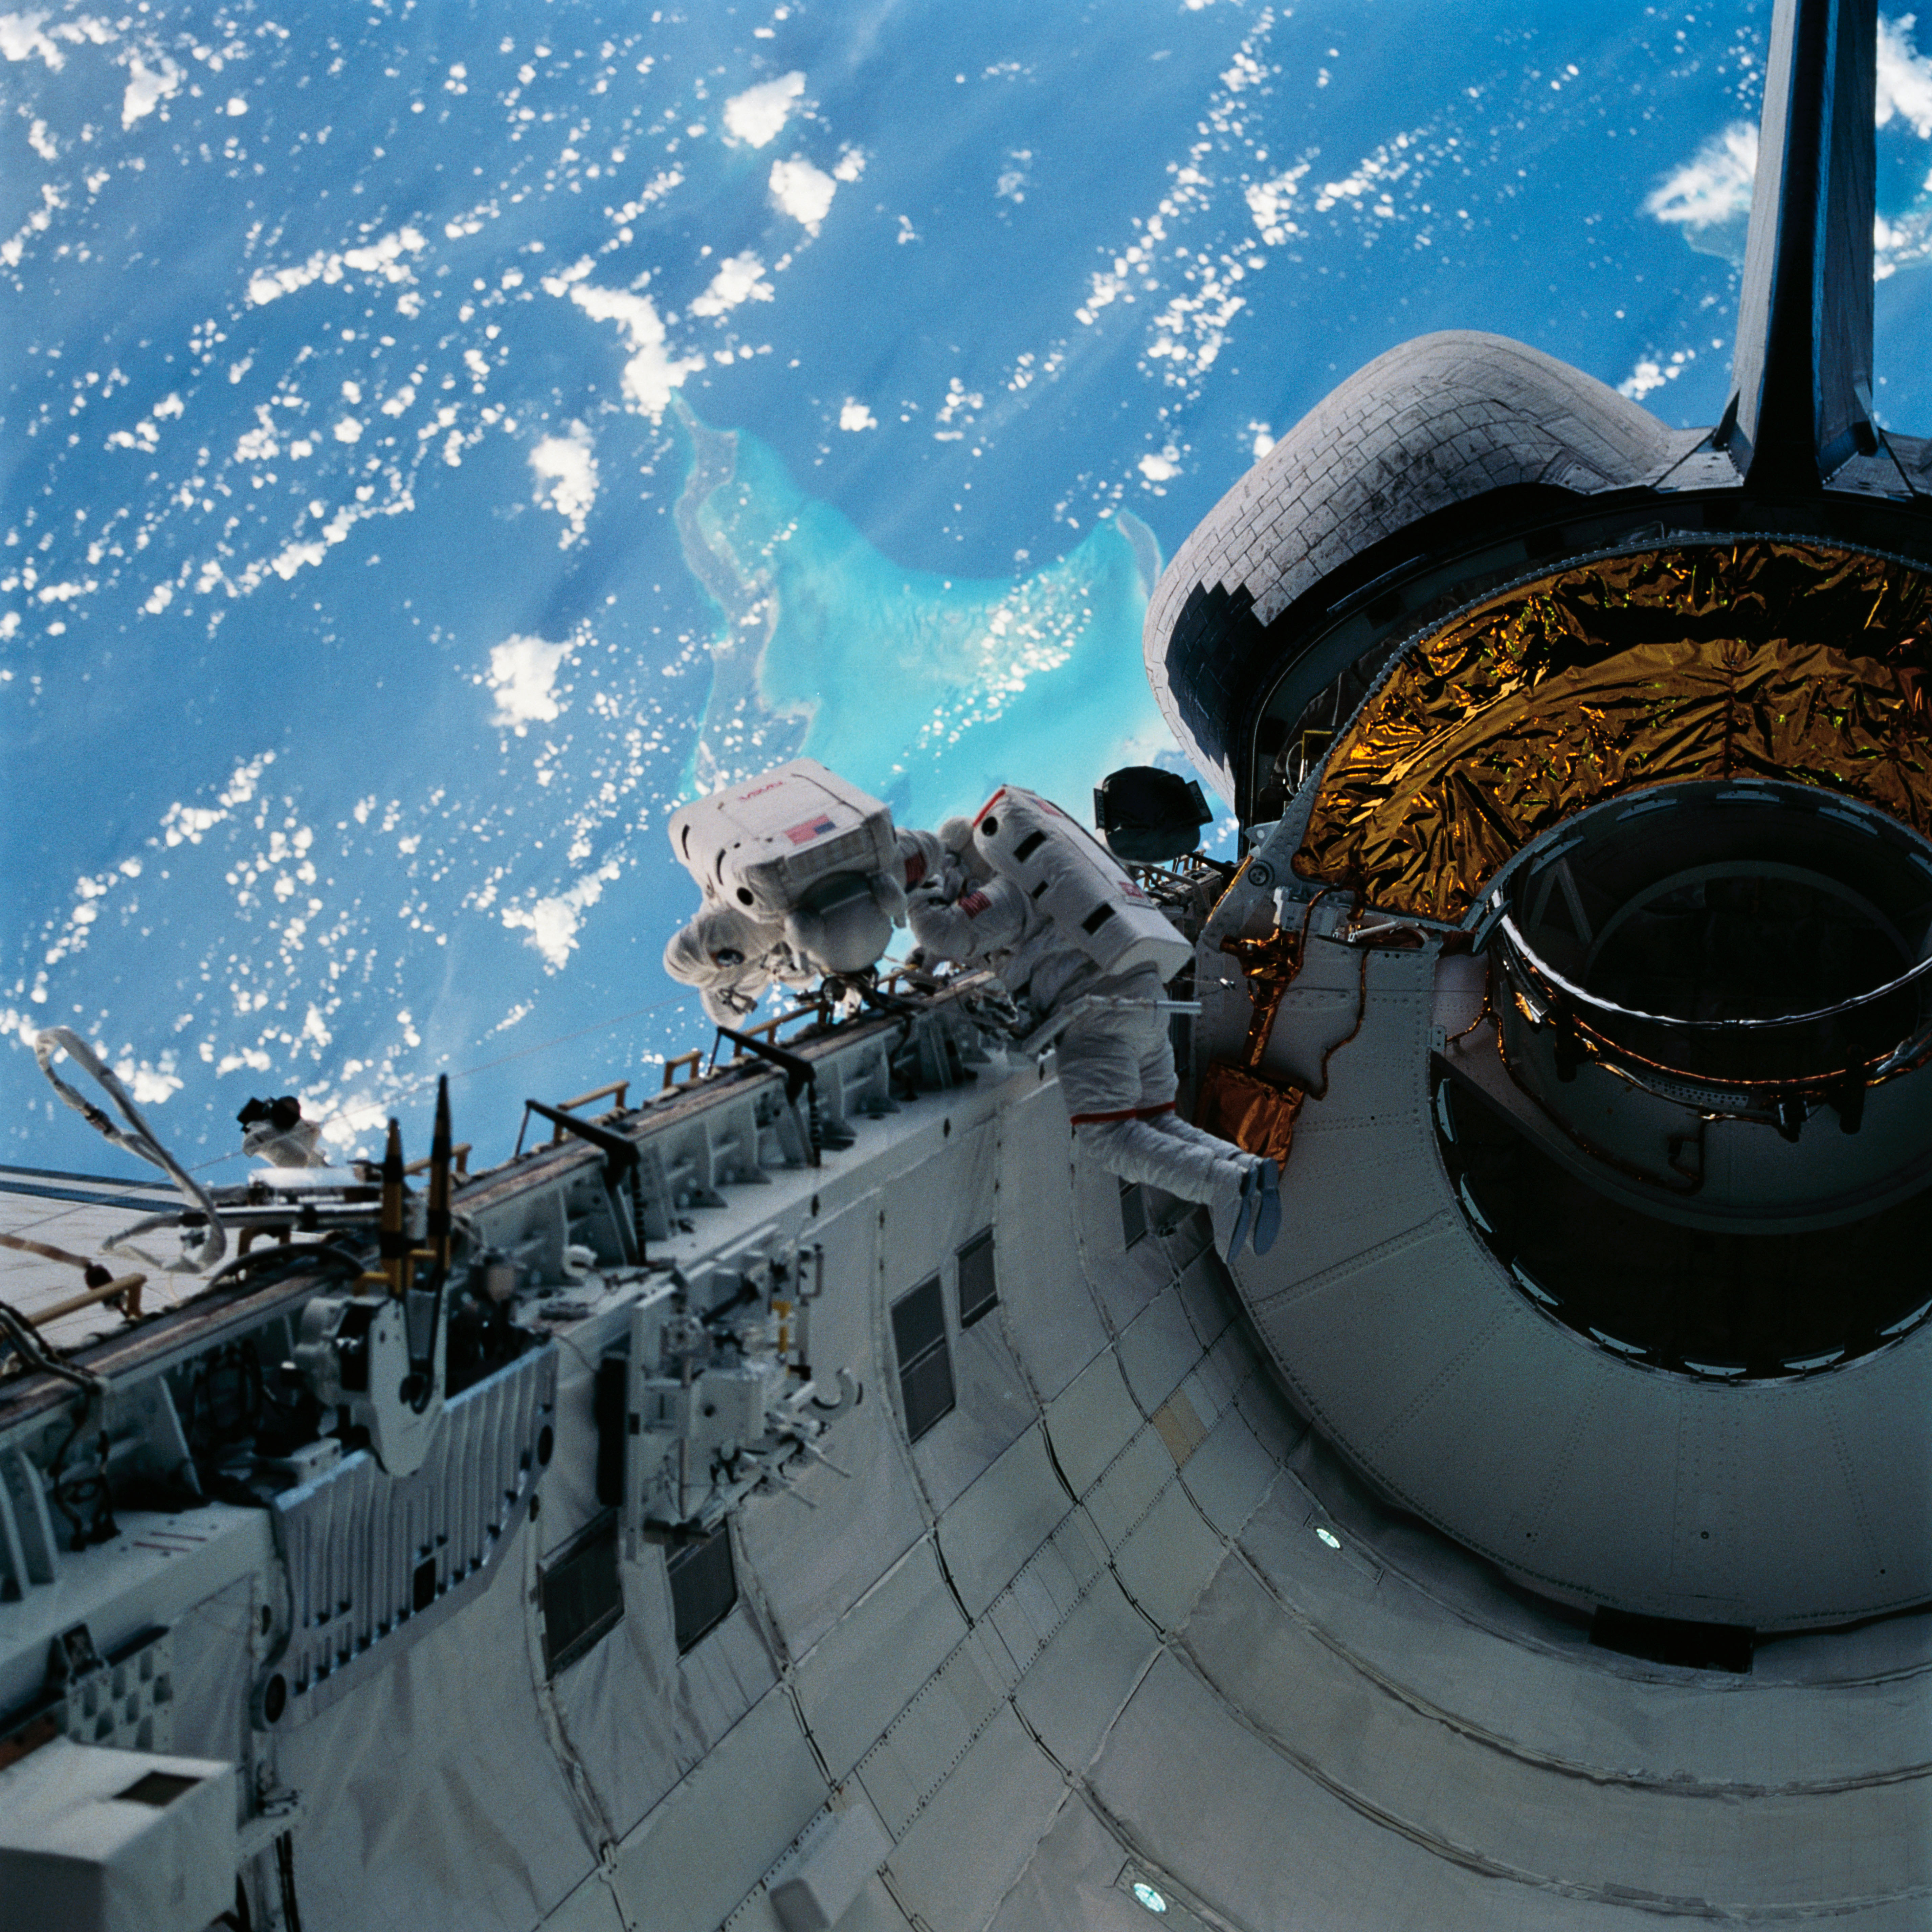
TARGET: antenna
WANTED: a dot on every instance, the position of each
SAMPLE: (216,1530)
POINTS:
(436,1224)
(394,1239)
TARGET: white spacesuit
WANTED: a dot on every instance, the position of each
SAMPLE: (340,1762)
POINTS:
(275,1132)
(732,956)
(1116,1062)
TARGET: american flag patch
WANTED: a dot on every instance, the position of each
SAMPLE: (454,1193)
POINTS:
(974,903)
(812,828)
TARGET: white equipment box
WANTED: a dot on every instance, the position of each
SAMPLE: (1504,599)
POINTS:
(763,847)
(1066,873)
(820,1881)
(98,1840)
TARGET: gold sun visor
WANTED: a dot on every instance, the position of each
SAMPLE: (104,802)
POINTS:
(1754,658)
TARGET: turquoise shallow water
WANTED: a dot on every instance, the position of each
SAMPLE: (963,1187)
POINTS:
(928,690)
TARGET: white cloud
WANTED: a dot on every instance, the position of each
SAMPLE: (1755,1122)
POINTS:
(1714,187)
(292,557)
(653,371)
(559,284)
(150,1087)
(23,36)
(1159,468)
(566,471)
(147,88)
(757,116)
(1904,77)
(237,104)
(383,257)
(553,922)
(739,279)
(259,444)
(1906,243)
(21,39)
(1648,374)
(856,416)
(182,823)
(348,430)
(802,191)
(1270,202)
(850,165)
(523,673)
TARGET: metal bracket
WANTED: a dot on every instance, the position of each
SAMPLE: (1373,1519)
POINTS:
(800,1075)
(621,1158)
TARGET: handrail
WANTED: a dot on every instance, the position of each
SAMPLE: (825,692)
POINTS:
(459,1157)
(126,1289)
(621,1088)
(768,1029)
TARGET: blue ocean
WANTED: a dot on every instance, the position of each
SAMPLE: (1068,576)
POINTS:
(440,440)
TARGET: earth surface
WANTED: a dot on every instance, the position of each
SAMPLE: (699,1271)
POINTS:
(439,439)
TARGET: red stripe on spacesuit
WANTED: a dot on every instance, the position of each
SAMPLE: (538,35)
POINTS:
(974,903)
(915,869)
(1121,1113)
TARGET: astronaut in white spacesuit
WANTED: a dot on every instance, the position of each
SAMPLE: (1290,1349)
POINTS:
(1115,1060)
(733,957)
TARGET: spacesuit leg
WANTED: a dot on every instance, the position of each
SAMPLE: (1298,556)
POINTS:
(1261,1182)
(1117,1072)
(1136,1149)
(1232,1191)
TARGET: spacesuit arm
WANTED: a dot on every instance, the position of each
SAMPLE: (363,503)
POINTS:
(923,859)
(983,920)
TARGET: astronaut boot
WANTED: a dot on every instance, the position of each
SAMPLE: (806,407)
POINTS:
(1261,1179)
(1246,1201)
(1265,1178)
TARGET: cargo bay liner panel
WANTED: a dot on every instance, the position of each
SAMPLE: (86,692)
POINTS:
(1117,1610)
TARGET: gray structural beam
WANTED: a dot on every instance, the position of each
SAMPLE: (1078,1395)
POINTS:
(1800,405)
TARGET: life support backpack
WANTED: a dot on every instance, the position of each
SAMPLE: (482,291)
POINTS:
(765,846)
(799,846)
(1062,869)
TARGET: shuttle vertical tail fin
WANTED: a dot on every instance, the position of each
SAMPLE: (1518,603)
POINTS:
(1801,404)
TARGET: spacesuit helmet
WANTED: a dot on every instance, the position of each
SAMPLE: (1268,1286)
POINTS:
(720,942)
(956,835)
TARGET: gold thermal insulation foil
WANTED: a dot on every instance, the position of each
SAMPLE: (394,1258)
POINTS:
(1249,1109)
(1755,659)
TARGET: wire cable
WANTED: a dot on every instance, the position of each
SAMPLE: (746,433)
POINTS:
(202,1247)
